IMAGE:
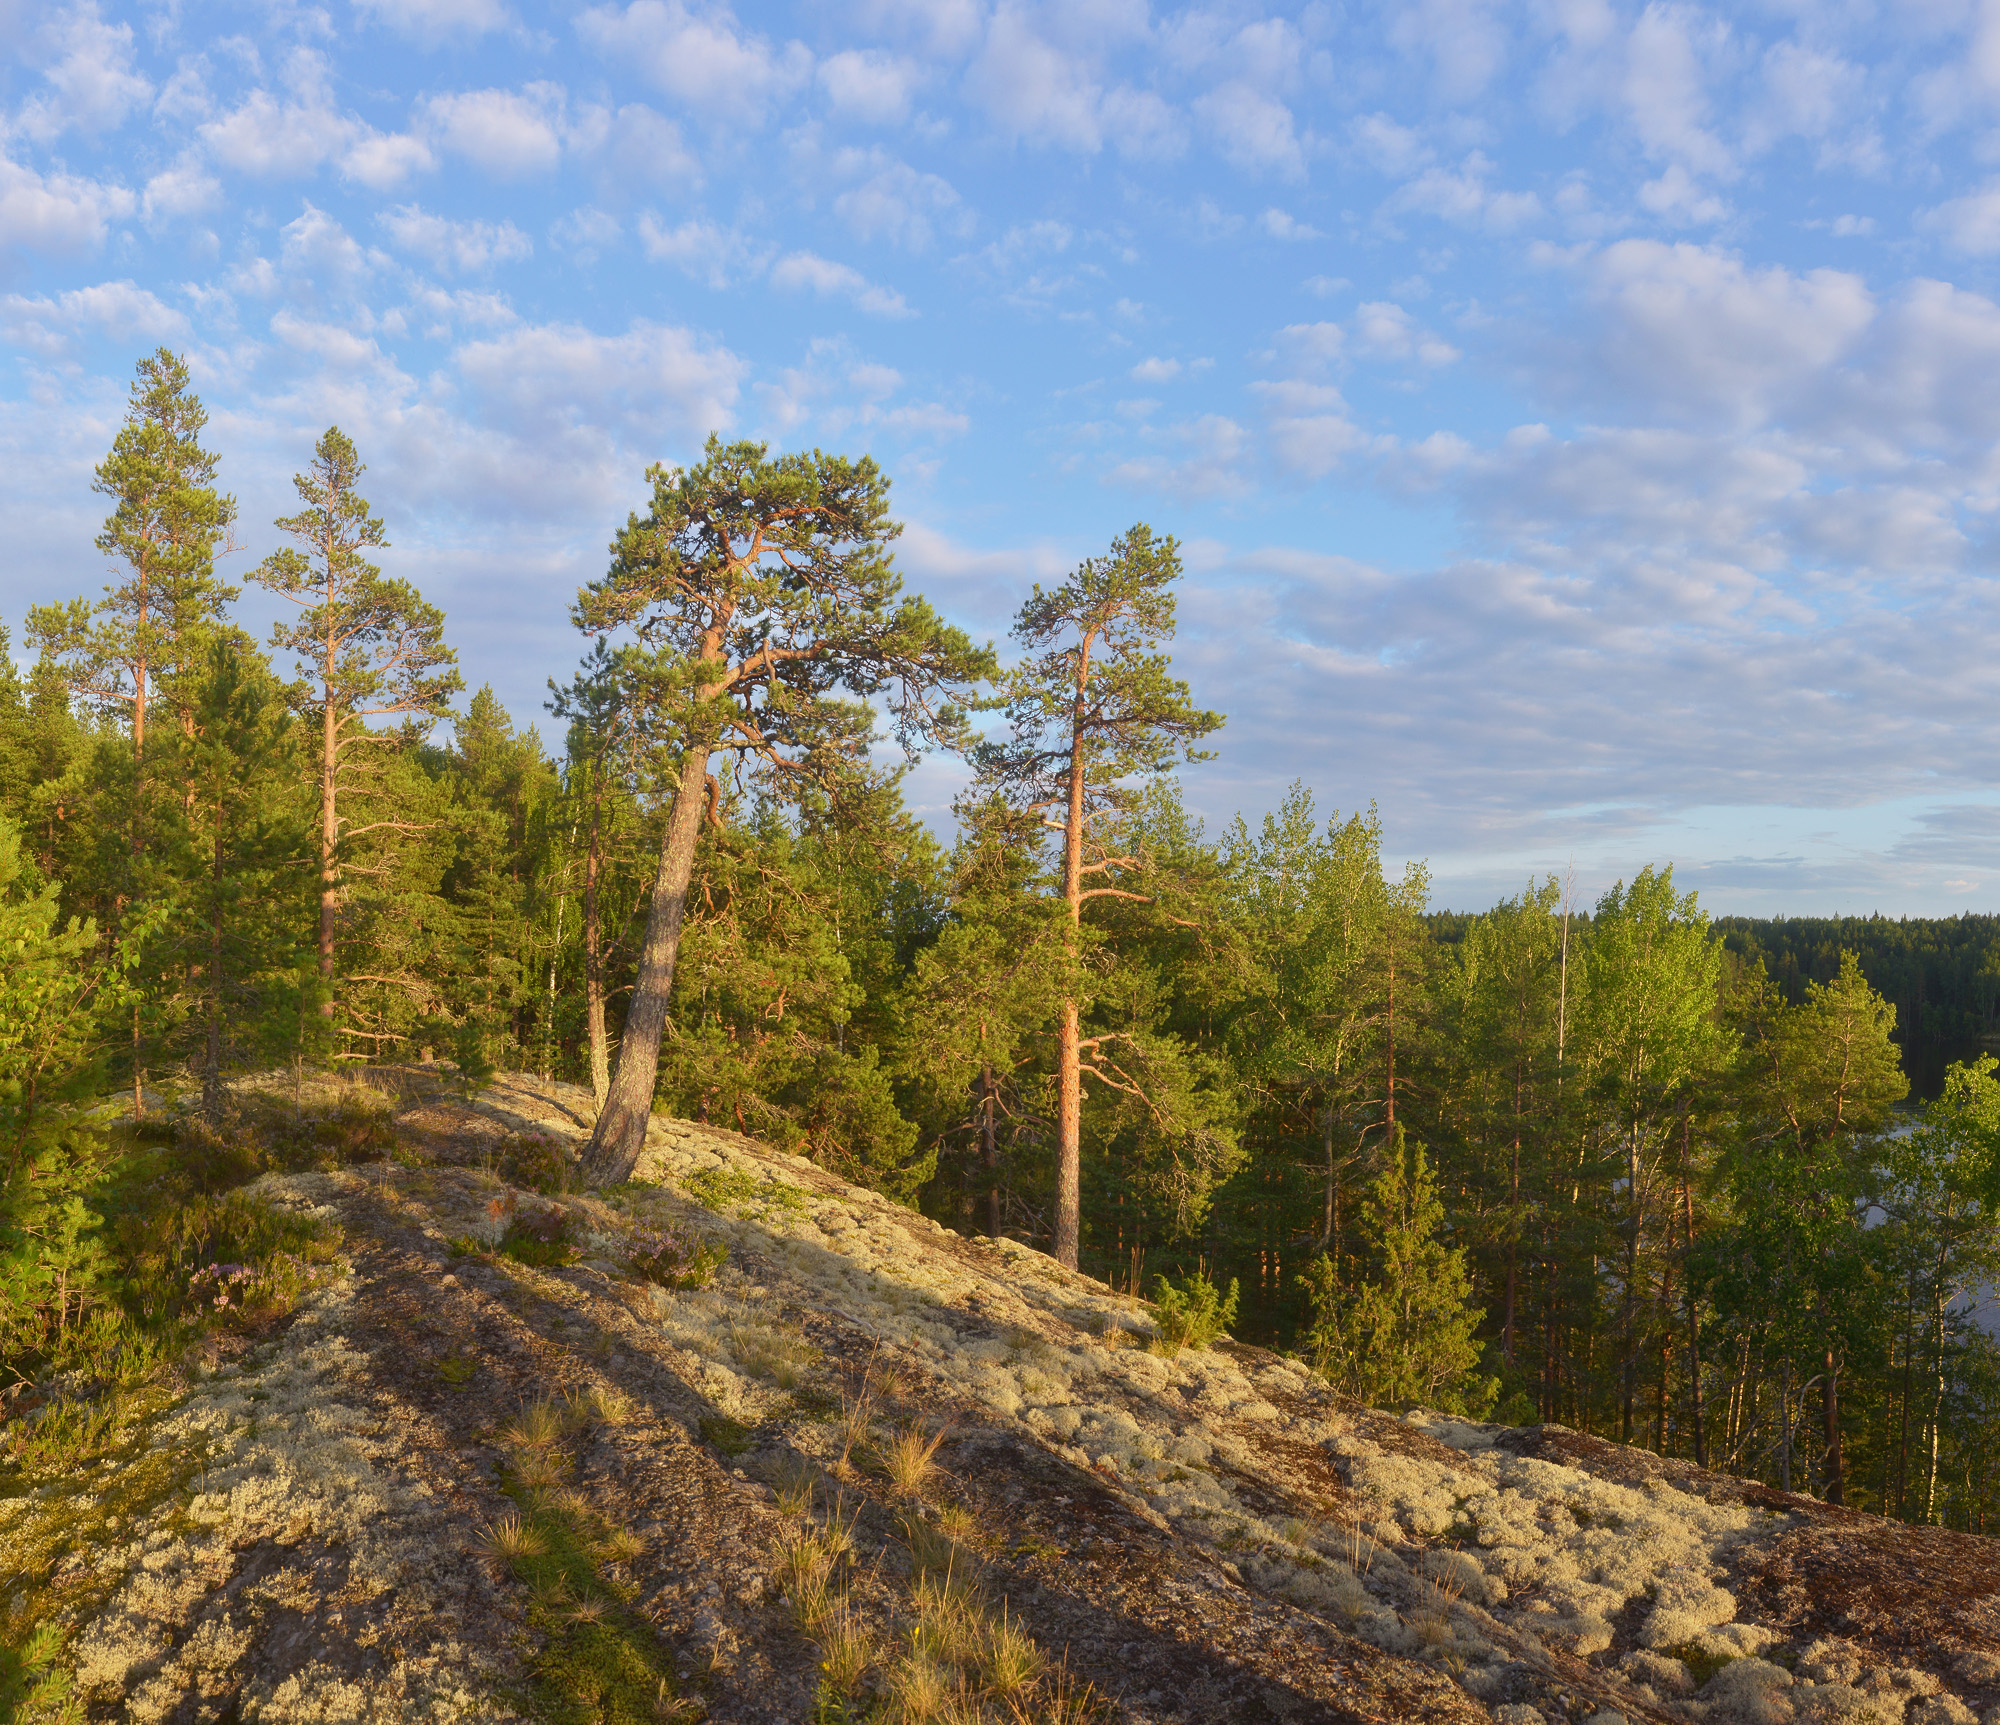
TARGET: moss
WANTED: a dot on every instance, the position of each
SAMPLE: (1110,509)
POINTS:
(733,1192)
(731,1437)
(599,1662)
(1702,1663)
(63,1519)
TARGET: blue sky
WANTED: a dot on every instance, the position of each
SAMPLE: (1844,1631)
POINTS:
(1581,421)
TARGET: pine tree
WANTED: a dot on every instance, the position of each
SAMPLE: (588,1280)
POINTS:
(765,596)
(374,649)
(1091,709)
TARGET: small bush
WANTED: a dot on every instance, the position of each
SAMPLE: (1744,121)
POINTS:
(540,1237)
(672,1257)
(539,1162)
(1195,1313)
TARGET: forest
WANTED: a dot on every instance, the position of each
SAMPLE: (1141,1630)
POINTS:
(1718,1187)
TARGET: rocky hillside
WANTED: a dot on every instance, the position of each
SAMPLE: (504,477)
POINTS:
(515,1463)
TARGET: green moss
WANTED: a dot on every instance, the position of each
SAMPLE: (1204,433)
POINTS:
(732,1437)
(68,1509)
(1700,1661)
(599,1663)
(733,1192)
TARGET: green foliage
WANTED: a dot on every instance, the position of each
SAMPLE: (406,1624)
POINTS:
(543,1236)
(674,1257)
(1403,1336)
(733,1192)
(1195,1312)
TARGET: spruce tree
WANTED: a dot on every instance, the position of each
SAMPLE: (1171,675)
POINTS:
(1403,1335)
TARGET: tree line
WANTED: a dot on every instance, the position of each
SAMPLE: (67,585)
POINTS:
(1615,1165)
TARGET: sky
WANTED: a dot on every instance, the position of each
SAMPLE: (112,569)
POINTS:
(1580,421)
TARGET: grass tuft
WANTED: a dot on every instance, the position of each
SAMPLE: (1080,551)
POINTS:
(910,1456)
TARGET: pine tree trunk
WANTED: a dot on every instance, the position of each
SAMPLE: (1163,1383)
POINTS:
(620,1133)
(329,839)
(211,1065)
(593,945)
(1069,1114)
(1830,1410)
(989,1149)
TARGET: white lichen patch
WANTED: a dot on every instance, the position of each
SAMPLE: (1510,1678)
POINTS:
(290,1458)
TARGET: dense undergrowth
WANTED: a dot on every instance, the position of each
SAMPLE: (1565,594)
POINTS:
(168,1252)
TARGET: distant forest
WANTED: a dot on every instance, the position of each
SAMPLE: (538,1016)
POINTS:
(1717,1187)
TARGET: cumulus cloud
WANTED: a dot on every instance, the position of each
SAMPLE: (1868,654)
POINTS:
(1253,130)
(704,251)
(1695,333)
(704,59)
(509,134)
(122,310)
(186,189)
(433,21)
(896,202)
(1199,457)
(88,81)
(870,85)
(1970,223)
(1383,330)
(1465,196)
(808,272)
(56,213)
(463,247)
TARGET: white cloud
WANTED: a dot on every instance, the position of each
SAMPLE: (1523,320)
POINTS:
(1201,457)
(1386,331)
(1678,198)
(174,194)
(122,310)
(57,212)
(90,83)
(433,21)
(382,161)
(1691,330)
(1970,223)
(1282,226)
(713,255)
(1142,126)
(269,139)
(1465,43)
(1464,197)
(464,247)
(869,85)
(1389,147)
(1033,90)
(800,271)
(896,202)
(509,134)
(1156,370)
(1253,130)
(706,60)
(569,389)
(1666,86)
(637,145)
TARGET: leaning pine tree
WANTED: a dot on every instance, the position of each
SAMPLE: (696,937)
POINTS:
(765,599)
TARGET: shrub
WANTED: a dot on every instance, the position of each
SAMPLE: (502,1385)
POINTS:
(540,1237)
(539,1162)
(673,1257)
(1195,1313)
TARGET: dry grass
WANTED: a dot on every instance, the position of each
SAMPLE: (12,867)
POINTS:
(846,1649)
(795,1487)
(539,1425)
(1012,1663)
(621,1545)
(1063,1703)
(1432,1617)
(959,1525)
(503,1540)
(857,1421)
(910,1456)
